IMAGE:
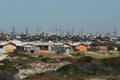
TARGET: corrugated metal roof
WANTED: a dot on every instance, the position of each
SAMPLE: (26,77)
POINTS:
(28,46)
(59,43)
(45,43)
(3,43)
(17,42)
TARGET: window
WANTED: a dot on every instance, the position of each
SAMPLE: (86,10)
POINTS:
(43,47)
(1,46)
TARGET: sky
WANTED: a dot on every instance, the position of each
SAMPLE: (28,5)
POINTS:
(45,15)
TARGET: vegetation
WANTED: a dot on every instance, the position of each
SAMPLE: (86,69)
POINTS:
(19,55)
(77,54)
(87,65)
(81,68)
(70,59)
(84,68)
(18,63)
(7,72)
(43,76)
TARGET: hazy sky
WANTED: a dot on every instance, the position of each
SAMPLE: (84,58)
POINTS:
(91,15)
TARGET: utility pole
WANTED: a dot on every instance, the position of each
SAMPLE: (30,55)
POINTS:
(60,31)
(40,30)
(26,31)
(37,31)
(67,32)
(81,31)
(2,32)
(56,31)
(72,32)
(115,32)
(13,31)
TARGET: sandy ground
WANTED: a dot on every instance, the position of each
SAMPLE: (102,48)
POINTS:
(3,56)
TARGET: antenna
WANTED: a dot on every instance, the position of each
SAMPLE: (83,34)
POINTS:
(81,31)
(56,31)
(72,31)
(26,31)
(60,31)
(13,30)
(40,30)
(67,32)
(115,32)
(2,32)
(37,31)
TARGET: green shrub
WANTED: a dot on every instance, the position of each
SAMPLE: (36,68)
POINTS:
(19,55)
(87,65)
(6,62)
(7,72)
(77,54)
(85,59)
(70,59)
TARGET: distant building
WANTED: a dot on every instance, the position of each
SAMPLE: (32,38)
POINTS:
(44,47)
(49,47)
(81,48)
(67,47)
(30,48)
(58,48)
(7,47)
(102,47)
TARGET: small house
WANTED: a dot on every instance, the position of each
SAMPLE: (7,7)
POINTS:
(49,47)
(57,48)
(7,47)
(44,47)
(81,48)
(19,44)
(102,47)
(30,48)
(67,47)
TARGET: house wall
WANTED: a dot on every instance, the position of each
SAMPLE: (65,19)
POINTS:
(68,48)
(42,51)
(42,47)
(103,47)
(27,49)
(20,48)
(65,45)
(9,48)
(58,49)
(32,49)
(81,48)
(2,50)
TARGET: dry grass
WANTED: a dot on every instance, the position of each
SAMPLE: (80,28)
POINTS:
(101,56)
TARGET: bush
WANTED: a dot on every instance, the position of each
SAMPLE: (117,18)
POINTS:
(6,62)
(89,66)
(19,55)
(7,72)
(42,76)
(77,54)
(70,59)
(84,59)
(5,75)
